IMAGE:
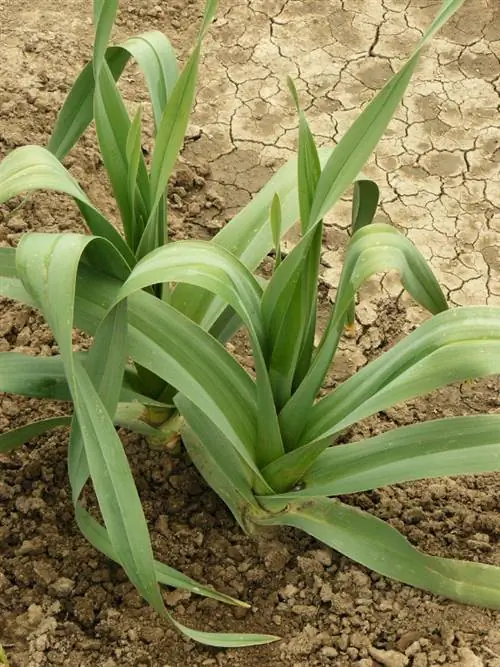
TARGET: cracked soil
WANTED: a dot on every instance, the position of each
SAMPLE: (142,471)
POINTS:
(438,168)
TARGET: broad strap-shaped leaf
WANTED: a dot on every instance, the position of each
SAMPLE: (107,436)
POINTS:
(214,269)
(20,436)
(373,249)
(203,371)
(170,136)
(104,14)
(105,366)
(441,447)
(219,462)
(456,345)
(156,59)
(48,267)
(35,168)
(113,128)
(10,285)
(44,377)
(373,543)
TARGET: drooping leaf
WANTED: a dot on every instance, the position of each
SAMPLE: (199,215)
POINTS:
(214,269)
(48,267)
(456,345)
(156,59)
(35,168)
(377,545)
(372,249)
(168,576)
(20,436)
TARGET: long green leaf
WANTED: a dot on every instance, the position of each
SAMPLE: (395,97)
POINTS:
(105,366)
(77,111)
(373,249)
(19,436)
(456,345)
(170,135)
(168,576)
(156,59)
(105,369)
(35,168)
(214,269)
(104,15)
(442,447)
(376,545)
(48,266)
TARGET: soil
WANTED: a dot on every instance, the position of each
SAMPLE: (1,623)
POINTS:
(61,602)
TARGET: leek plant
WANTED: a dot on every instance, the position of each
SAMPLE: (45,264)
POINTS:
(160,313)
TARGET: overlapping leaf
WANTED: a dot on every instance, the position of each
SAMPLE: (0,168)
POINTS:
(373,249)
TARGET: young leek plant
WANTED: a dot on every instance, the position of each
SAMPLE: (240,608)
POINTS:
(263,443)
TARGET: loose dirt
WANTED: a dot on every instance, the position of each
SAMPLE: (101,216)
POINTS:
(61,602)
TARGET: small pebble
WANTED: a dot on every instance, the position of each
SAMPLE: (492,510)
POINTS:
(388,658)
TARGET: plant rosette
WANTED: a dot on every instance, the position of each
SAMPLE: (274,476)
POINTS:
(160,313)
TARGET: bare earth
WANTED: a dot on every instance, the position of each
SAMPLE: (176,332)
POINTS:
(61,603)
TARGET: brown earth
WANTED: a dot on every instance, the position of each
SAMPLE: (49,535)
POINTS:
(61,603)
